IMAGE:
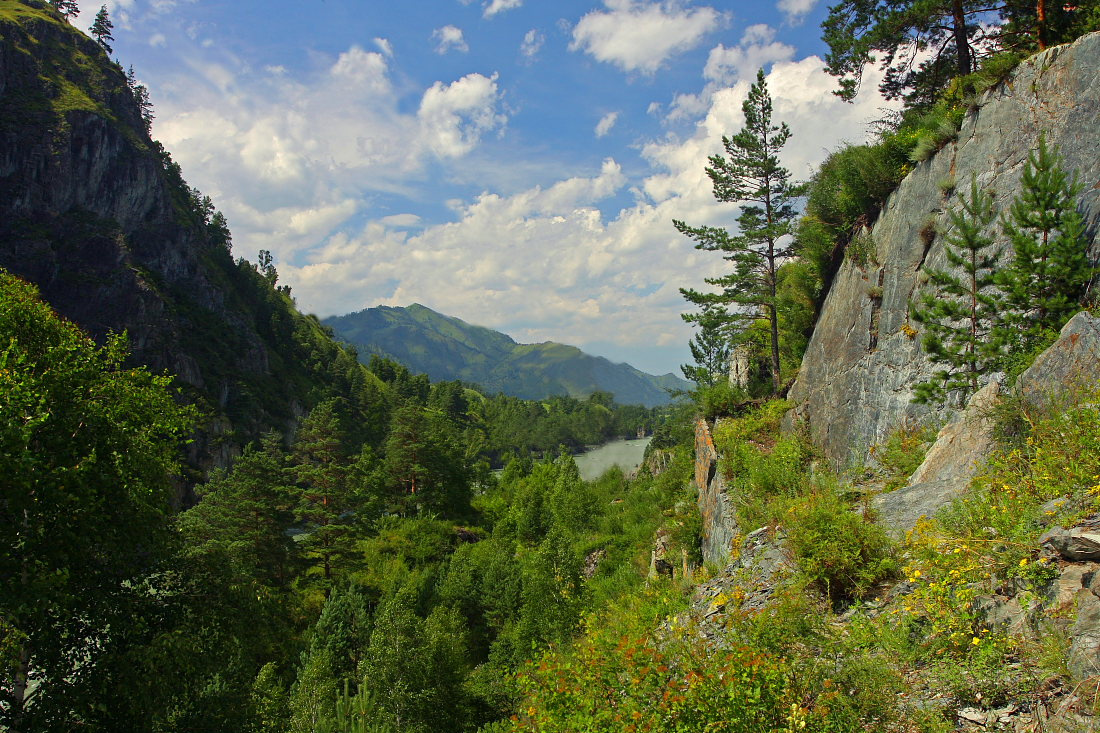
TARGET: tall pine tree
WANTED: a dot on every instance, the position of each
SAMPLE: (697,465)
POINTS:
(750,175)
(101,29)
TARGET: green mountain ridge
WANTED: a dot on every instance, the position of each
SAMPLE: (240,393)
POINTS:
(444,348)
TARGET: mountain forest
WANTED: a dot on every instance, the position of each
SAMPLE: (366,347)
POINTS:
(872,508)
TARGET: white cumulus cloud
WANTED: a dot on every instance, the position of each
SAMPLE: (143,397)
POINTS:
(795,10)
(498,6)
(606,123)
(455,116)
(639,36)
(449,38)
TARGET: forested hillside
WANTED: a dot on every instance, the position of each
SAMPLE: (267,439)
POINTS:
(883,520)
(447,348)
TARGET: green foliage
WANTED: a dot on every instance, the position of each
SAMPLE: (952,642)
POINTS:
(88,448)
(766,467)
(927,48)
(413,669)
(1046,279)
(903,451)
(961,314)
(622,677)
(750,175)
(838,549)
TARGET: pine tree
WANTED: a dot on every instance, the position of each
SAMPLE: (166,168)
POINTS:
(961,313)
(67,8)
(918,44)
(101,29)
(1046,280)
(327,498)
(752,176)
(710,347)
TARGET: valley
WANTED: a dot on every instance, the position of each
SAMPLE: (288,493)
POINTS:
(872,505)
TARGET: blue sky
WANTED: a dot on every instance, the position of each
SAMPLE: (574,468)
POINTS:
(514,163)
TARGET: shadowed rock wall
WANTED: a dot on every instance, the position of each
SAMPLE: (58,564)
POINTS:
(854,386)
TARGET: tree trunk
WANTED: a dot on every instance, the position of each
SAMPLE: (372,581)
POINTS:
(773,307)
(962,43)
(1041,24)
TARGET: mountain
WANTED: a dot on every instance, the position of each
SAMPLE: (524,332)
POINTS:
(448,348)
(97,215)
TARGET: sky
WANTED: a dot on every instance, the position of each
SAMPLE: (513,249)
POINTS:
(513,163)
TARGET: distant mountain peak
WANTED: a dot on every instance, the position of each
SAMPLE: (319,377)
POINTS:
(445,347)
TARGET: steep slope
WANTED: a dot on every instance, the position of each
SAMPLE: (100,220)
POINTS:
(97,215)
(448,348)
(854,386)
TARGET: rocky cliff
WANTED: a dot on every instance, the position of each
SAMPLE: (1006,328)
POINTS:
(854,386)
(96,214)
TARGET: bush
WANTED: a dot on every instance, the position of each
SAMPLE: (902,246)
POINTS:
(622,676)
(901,454)
(836,548)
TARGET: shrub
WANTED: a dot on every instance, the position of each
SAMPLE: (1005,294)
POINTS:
(621,676)
(897,457)
(836,548)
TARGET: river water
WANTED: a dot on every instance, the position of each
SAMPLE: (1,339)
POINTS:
(626,454)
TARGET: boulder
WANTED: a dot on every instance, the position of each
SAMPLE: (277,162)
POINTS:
(948,467)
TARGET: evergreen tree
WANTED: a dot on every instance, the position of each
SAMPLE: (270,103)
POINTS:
(327,499)
(961,313)
(1045,282)
(67,8)
(244,515)
(919,44)
(753,176)
(101,29)
(710,347)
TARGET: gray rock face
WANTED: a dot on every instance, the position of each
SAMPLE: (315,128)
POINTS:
(950,463)
(719,520)
(854,386)
(1073,362)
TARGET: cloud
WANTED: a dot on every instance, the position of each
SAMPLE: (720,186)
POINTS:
(455,116)
(384,45)
(366,70)
(795,10)
(323,169)
(290,158)
(641,36)
(498,6)
(450,39)
(545,263)
(532,42)
(757,49)
(606,123)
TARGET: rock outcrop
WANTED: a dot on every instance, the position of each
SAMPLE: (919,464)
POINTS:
(96,214)
(719,518)
(1071,363)
(854,386)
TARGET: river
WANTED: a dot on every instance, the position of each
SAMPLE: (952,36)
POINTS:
(626,454)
